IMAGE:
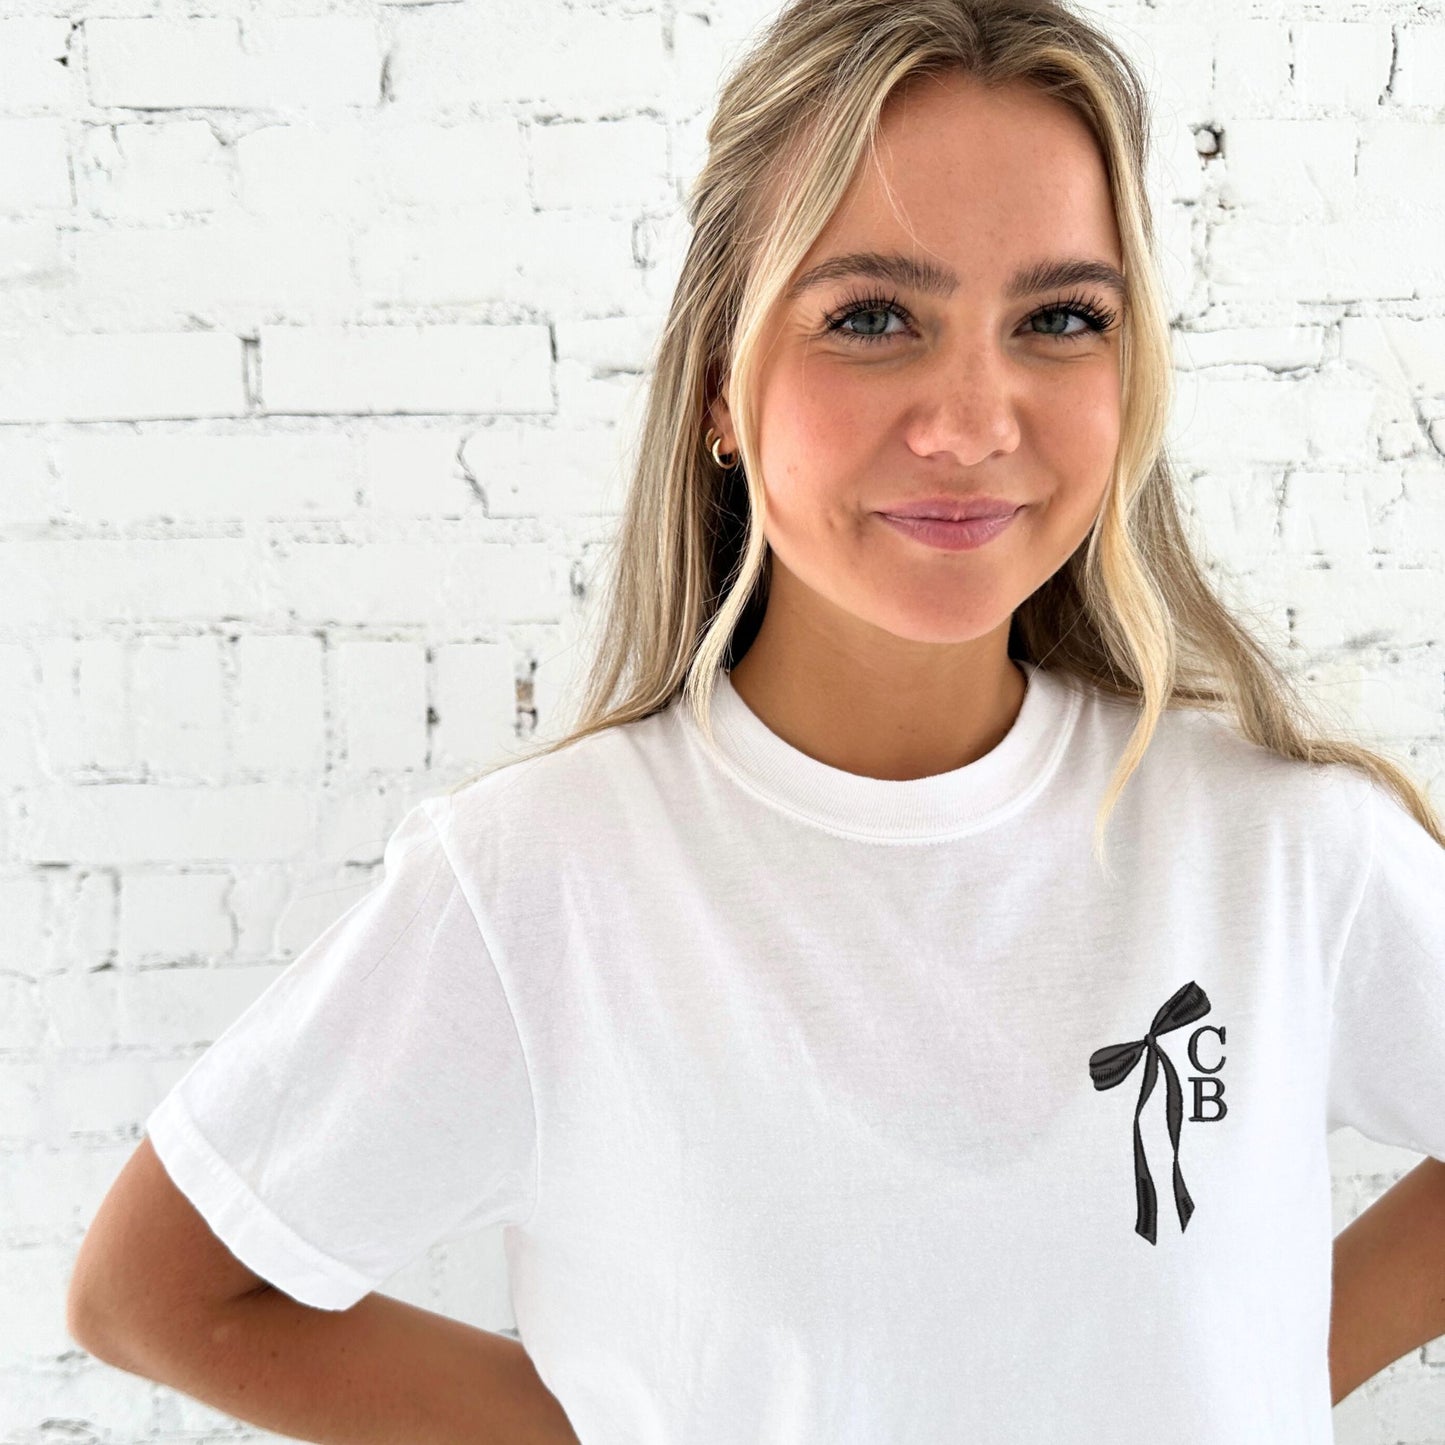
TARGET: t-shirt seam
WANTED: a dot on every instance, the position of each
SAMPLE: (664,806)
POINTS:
(1367,874)
(511,1014)
(994,818)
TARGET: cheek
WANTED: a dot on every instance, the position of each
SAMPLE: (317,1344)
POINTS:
(820,410)
(1078,435)
(814,437)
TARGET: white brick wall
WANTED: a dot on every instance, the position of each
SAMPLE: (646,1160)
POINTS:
(320,339)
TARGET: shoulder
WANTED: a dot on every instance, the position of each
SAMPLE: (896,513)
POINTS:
(564,793)
(1199,757)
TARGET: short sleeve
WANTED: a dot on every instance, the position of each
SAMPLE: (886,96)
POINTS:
(1387,1048)
(371,1102)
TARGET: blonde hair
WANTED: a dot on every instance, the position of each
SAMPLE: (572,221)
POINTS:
(1131,612)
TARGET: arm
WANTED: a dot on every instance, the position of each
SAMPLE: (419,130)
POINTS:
(380,1372)
(1389,1279)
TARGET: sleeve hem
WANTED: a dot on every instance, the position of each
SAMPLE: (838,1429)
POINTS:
(260,1240)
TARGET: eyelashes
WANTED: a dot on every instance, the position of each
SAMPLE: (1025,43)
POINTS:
(1097,318)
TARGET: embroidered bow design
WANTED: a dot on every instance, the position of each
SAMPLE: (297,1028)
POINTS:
(1112,1064)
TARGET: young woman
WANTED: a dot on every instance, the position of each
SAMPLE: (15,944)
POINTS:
(833,1081)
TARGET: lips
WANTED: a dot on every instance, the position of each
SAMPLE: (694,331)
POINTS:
(950,536)
(953,508)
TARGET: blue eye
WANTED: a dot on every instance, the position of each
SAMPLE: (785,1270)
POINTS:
(866,306)
(1095,318)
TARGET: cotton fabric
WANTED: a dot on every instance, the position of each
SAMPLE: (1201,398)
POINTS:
(818,1109)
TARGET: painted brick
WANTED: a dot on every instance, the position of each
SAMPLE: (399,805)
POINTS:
(120,377)
(292,63)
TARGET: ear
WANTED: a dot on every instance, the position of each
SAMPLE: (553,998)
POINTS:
(721,418)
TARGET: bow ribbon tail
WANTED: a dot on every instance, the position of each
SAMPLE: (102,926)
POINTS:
(1146,1219)
(1174,1109)
(1147,1213)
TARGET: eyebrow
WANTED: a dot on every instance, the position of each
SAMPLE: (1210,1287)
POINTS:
(939,280)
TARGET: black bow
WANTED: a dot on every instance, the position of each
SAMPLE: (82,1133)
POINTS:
(1111,1065)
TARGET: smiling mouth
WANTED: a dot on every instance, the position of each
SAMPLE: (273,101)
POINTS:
(947,535)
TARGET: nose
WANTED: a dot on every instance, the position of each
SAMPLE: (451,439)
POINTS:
(966,405)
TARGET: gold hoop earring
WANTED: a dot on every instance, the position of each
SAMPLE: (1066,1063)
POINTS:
(716,443)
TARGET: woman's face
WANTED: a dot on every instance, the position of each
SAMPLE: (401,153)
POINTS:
(984,386)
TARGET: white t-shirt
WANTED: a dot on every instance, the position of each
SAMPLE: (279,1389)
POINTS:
(806,1098)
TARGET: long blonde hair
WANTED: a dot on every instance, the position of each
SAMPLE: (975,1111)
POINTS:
(1131,612)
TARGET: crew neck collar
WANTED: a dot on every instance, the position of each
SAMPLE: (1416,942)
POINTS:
(964,800)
